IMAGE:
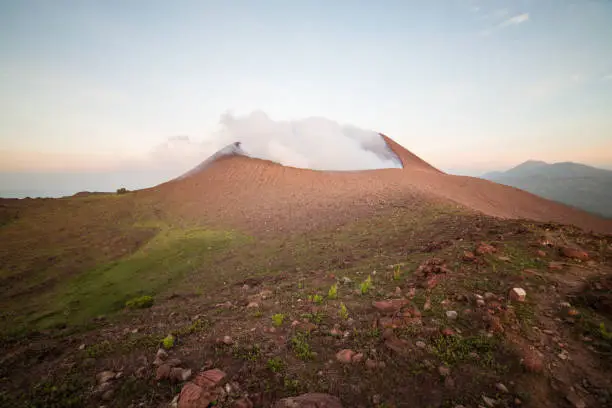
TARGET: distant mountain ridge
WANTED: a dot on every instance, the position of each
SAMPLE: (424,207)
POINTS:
(585,187)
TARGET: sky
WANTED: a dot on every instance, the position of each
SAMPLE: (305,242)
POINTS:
(468,85)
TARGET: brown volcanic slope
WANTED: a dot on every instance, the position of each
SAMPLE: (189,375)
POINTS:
(265,196)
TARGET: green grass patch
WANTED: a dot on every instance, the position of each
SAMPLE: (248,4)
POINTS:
(158,265)
(300,346)
(141,302)
(452,350)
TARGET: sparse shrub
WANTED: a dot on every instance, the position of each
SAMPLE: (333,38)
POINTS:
(318,299)
(301,284)
(604,333)
(277,319)
(300,346)
(316,317)
(397,273)
(365,285)
(99,349)
(141,302)
(275,364)
(343,312)
(248,353)
(168,342)
(258,314)
(122,190)
(333,291)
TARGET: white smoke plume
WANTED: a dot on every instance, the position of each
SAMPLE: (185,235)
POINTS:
(313,143)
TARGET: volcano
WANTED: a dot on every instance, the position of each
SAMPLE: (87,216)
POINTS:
(231,188)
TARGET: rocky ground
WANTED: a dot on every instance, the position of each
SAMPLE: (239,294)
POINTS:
(469,312)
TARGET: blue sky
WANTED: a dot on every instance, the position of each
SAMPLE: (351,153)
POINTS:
(467,85)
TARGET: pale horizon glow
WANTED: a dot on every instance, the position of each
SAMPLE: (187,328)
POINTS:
(469,86)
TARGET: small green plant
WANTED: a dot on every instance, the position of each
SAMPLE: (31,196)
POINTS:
(258,314)
(300,346)
(168,342)
(316,317)
(365,285)
(343,312)
(99,349)
(397,273)
(278,319)
(301,284)
(275,364)
(333,292)
(318,299)
(198,325)
(292,385)
(604,333)
(247,353)
(141,302)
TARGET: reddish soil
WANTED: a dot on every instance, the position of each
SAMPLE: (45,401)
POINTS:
(265,196)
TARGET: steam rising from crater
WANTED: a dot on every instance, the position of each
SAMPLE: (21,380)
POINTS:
(313,143)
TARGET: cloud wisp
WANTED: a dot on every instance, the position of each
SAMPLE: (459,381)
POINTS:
(314,143)
(515,20)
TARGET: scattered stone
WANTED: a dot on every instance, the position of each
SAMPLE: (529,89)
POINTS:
(517,401)
(532,360)
(252,305)
(504,258)
(265,294)
(549,332)
(200,392)
(574,253)
(346,280)
(102,388)
(373,364)
(174,402)
(490,296)
(444,371)
(390,306)
(107,395)
(484,248)
(427,305)
(224,305)
(163,372)
(449,382)
(469,256)
(489,402)
(555,266)
(563,355)
(575,400)
(228,340)
(480,302)
(540,253)
(501,387)
(518,294)
(451,315)
(209,378)
(179,374)
(448,332)
(160,357)
(376,399)
(345,356)
(357,358)
(243,403)
(105,376)
(82,347)
(311,400)
(421,344)
(573,312)
(398,291)
(565,305)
